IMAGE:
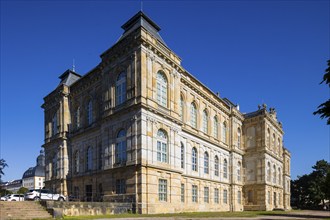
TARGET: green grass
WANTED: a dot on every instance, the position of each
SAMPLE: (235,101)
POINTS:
(185,214)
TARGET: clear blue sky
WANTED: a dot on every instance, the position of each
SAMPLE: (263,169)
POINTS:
(252,52)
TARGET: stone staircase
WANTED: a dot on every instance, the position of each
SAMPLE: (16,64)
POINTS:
(22,210)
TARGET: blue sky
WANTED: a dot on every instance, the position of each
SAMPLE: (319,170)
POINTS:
(252,52)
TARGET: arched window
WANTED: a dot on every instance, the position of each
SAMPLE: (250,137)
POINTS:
(224,132)
(77,117)
(239,165)
(121,88)
(120,150)
(274,174)
(239,138)
(206,162)
(181,107)
(273,143)
(76,162)
(90,112)
(54,124)
(193,115)
(225,168)
(205,122)
(268,172)
(89,161)
(161,89)
(279,146)
(162,146)
(194,159)
(279,176)
(215,127)
(216,166)
(182,155)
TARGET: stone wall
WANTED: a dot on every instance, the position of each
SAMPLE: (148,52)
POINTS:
(87,208)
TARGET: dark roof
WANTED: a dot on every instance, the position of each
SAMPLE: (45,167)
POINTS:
(141,20)
(34,171)
(69,77)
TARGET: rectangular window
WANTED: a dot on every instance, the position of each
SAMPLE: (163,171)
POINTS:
(182,192)
(206,194)
(161,151)
(162,190)
(225,195)
(120,186)
(268,195)
(194,193)
(239,196)
(216,195)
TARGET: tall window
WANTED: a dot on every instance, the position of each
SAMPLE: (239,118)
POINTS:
(239,197)
(54,166)
(239,138)
(181,107)
(205,122)
(194,159)
(216,166)
(162,190)
(250,196)
(54,124)
(274,174)
(194,195)
(268,197)
(273,143)
(90,112)
(268,172)
(216,195)
(100,157)
(77,117)
(268,138)
(76,162)
(215,127)
(161,89)
(182,155)
(120,150)
(225,168)
(225,195)
(278,146)
(162,146)
(206,194)
(224,132)
(239,171)
(121,88)
(182,192)
(279,176)
(193,115)
(89,161)
(120,186)
(206,162)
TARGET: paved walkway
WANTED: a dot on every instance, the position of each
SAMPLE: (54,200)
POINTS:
(306,214)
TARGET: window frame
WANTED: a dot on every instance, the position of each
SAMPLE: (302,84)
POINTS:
(121,88)
(162,190)
(162,146)
(162,87)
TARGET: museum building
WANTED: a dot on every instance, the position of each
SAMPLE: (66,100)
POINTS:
(140,128)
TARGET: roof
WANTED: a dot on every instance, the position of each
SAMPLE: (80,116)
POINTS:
(69,77)
(141,20)
(34,171)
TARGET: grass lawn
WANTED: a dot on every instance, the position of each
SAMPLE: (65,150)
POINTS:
(185,214)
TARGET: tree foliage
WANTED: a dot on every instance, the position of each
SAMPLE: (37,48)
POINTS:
(311,190)
(3,164)
(324,108)
(22,190)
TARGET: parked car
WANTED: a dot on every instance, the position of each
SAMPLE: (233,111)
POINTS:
(15,197)
(4,198)
(43,194)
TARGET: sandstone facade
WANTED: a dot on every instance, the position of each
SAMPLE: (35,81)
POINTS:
(140,128)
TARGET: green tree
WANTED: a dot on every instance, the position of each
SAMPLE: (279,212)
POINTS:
(22,190)
(3,164)
(324,108)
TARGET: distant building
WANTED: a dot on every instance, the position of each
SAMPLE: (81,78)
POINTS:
(12,186)
(139,127)
(34,177)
